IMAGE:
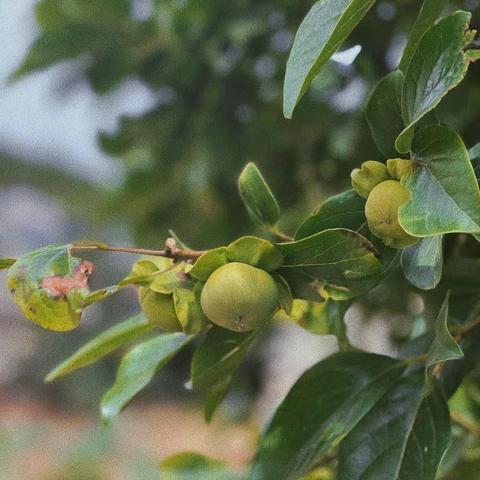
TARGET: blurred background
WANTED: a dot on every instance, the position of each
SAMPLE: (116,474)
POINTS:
(120,119)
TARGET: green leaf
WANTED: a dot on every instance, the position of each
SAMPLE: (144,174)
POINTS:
(403,437)
(430,11)
(444,347)
(346,210)
(422,263)
(384,113)
(188,311)
(166,282)
(444,191)
(6,263)
(320,410)
(137,369)
(285,298)
(257,196)
(338,257)
(102,345)
(324,29)
(193,466)
(102,294)
(322,318)
(208,263)
(50,286)
(438,65)
(255,251)
(216,359)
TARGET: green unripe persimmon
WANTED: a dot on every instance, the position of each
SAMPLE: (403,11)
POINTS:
(381,211)
(159,309)
(368,176)
(239,297)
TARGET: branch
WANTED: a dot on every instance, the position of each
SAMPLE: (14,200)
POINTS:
(170,251)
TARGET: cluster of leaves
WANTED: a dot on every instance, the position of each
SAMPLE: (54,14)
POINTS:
(382,417)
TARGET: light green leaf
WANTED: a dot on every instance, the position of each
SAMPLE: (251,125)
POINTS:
(215,361)
(438,65)
(339,258)
(444,191)
(166,282)
(324,29)
(255,251)
(430,11)
(257,196)
(102,294)
(444,347)
(403,437)
(322,318)
(50,286)
(208,263)
(384,113)
(422,263)
(102,345)
(137,369)
(346,210)
(193,466)
(6,263)
(188,311)
(320,410)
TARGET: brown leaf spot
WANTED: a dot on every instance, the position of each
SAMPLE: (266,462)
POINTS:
(59,286)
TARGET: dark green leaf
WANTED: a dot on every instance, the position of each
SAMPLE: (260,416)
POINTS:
(384,113)
(208,263)
(137,369)
(255,251)
(430,11)
(444,347)
(6,263)
(102,345)
(403,437)
(285,297)
(216,359)
(445,197)
(320,410)
(193,466)
(326,26)
(346,210)
(257,196)
(438,65)
(422,263)
(339,258)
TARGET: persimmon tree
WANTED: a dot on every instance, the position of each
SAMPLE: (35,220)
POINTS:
(415,210)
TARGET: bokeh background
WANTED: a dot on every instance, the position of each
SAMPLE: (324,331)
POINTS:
(120,119)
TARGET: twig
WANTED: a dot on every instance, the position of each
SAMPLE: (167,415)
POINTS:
(280,235)
(465,423)
(171,250)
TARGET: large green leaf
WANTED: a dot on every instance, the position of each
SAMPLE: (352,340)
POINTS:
(430,11)
(445,197)
(257,196)
(50,286)
(422,263)
(208,263)
(326,26)
(255,251)
(384,113)
(215,361)
(102,345)
(346,210)
(444,347)
(137,369)
(320,410)
(438,65)
(403,437)
(193,466)
(337,257)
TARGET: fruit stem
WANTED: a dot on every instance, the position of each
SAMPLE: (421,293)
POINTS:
(170,251)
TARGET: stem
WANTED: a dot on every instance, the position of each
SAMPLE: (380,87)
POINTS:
(170,251)
(280,235)
(465,423)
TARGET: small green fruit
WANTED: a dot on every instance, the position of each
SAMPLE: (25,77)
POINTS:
(239,297)
(159,309)
(381,211)
(368,176)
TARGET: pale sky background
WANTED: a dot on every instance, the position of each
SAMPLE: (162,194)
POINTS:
(36,120)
